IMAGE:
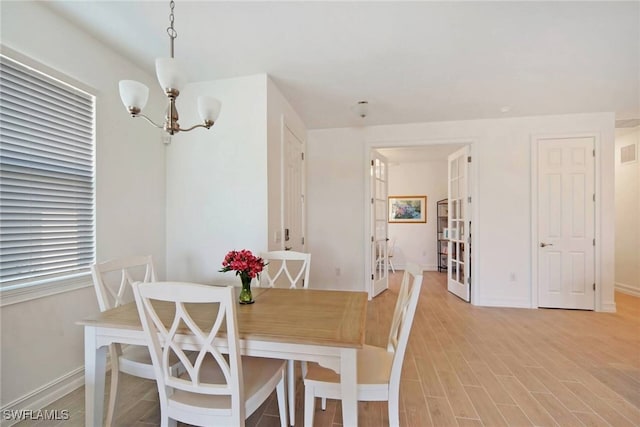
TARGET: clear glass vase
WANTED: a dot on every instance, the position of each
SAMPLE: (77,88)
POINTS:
(245,293)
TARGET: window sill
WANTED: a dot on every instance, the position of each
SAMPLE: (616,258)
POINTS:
(33,291)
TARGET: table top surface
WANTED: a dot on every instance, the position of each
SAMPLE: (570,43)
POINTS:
(297,316)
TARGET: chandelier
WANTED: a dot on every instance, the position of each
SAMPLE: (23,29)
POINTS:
(134,94)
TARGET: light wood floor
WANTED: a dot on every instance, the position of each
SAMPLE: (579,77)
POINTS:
(473,366)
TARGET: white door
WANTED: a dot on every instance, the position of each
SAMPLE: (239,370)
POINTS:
(566,223)
(458,230)
(293,189)
(379,215)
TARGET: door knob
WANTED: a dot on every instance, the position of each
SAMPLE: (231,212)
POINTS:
(542,245)
(288,248)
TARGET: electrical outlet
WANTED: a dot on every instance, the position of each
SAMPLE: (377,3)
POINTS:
(512,277)
(338,271)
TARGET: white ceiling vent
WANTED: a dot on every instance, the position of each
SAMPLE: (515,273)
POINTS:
(628,153)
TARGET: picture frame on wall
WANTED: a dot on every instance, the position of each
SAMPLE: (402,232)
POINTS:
(407,209)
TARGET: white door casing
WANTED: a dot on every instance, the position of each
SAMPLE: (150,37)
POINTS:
(379,216)
(293,191)
(458,229)
(566,223)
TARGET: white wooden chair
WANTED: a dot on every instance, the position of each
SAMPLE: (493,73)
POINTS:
(379,369)
(112,281)
(287,269)
(216,389)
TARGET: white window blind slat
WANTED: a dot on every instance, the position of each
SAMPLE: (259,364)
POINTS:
(14,104)
(47,177)
(43,87)
(37,127)
(13,131)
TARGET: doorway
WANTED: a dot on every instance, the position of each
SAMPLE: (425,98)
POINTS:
(293,190)
(409,160)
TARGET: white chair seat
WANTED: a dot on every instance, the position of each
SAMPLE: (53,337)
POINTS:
(260,376)
(374,374)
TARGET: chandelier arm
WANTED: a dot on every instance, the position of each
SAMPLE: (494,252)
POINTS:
(147,119)
(206,125)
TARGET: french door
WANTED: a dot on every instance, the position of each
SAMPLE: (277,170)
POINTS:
(379,216)
(459,225)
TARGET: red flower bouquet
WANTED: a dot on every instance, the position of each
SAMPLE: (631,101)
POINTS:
(247,266)
(244,263)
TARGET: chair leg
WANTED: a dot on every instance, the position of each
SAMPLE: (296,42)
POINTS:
(282,402)
(309,405)
(394,415)
(113,395)
(323,403)
(113,391)
(291,385)
(393,270)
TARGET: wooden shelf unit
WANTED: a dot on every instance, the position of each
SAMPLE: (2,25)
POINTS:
(442,212)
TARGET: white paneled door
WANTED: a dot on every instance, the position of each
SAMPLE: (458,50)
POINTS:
(379,217)
(459,226)
(293,194)
(566,223)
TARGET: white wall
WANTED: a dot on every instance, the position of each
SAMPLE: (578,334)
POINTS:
(335,195)
(417,242)
(217,181)
(627,272)
(502,231)
(41,345)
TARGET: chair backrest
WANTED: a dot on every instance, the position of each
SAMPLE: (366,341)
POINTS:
(113,279)
(403,315)
(286,269)
(226,380)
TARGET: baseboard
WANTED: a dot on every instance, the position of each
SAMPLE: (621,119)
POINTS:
(627,289)
(607,307)
(498,302)
(42,396)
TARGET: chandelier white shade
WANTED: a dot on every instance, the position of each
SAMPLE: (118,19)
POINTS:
(208,108)
(134,94)
(170,74)
(172,80)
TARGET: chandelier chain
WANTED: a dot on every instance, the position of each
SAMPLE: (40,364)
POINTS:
(170,30)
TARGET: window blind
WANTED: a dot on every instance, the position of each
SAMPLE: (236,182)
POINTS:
(47,177)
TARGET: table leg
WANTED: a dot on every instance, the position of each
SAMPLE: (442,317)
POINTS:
(95,362)
(291,392)
(349,386)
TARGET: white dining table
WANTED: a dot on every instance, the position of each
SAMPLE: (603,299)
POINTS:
(327,327)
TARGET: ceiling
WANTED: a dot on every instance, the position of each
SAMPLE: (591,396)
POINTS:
(412,61)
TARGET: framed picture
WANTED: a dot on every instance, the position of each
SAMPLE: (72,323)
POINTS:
(408,209)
